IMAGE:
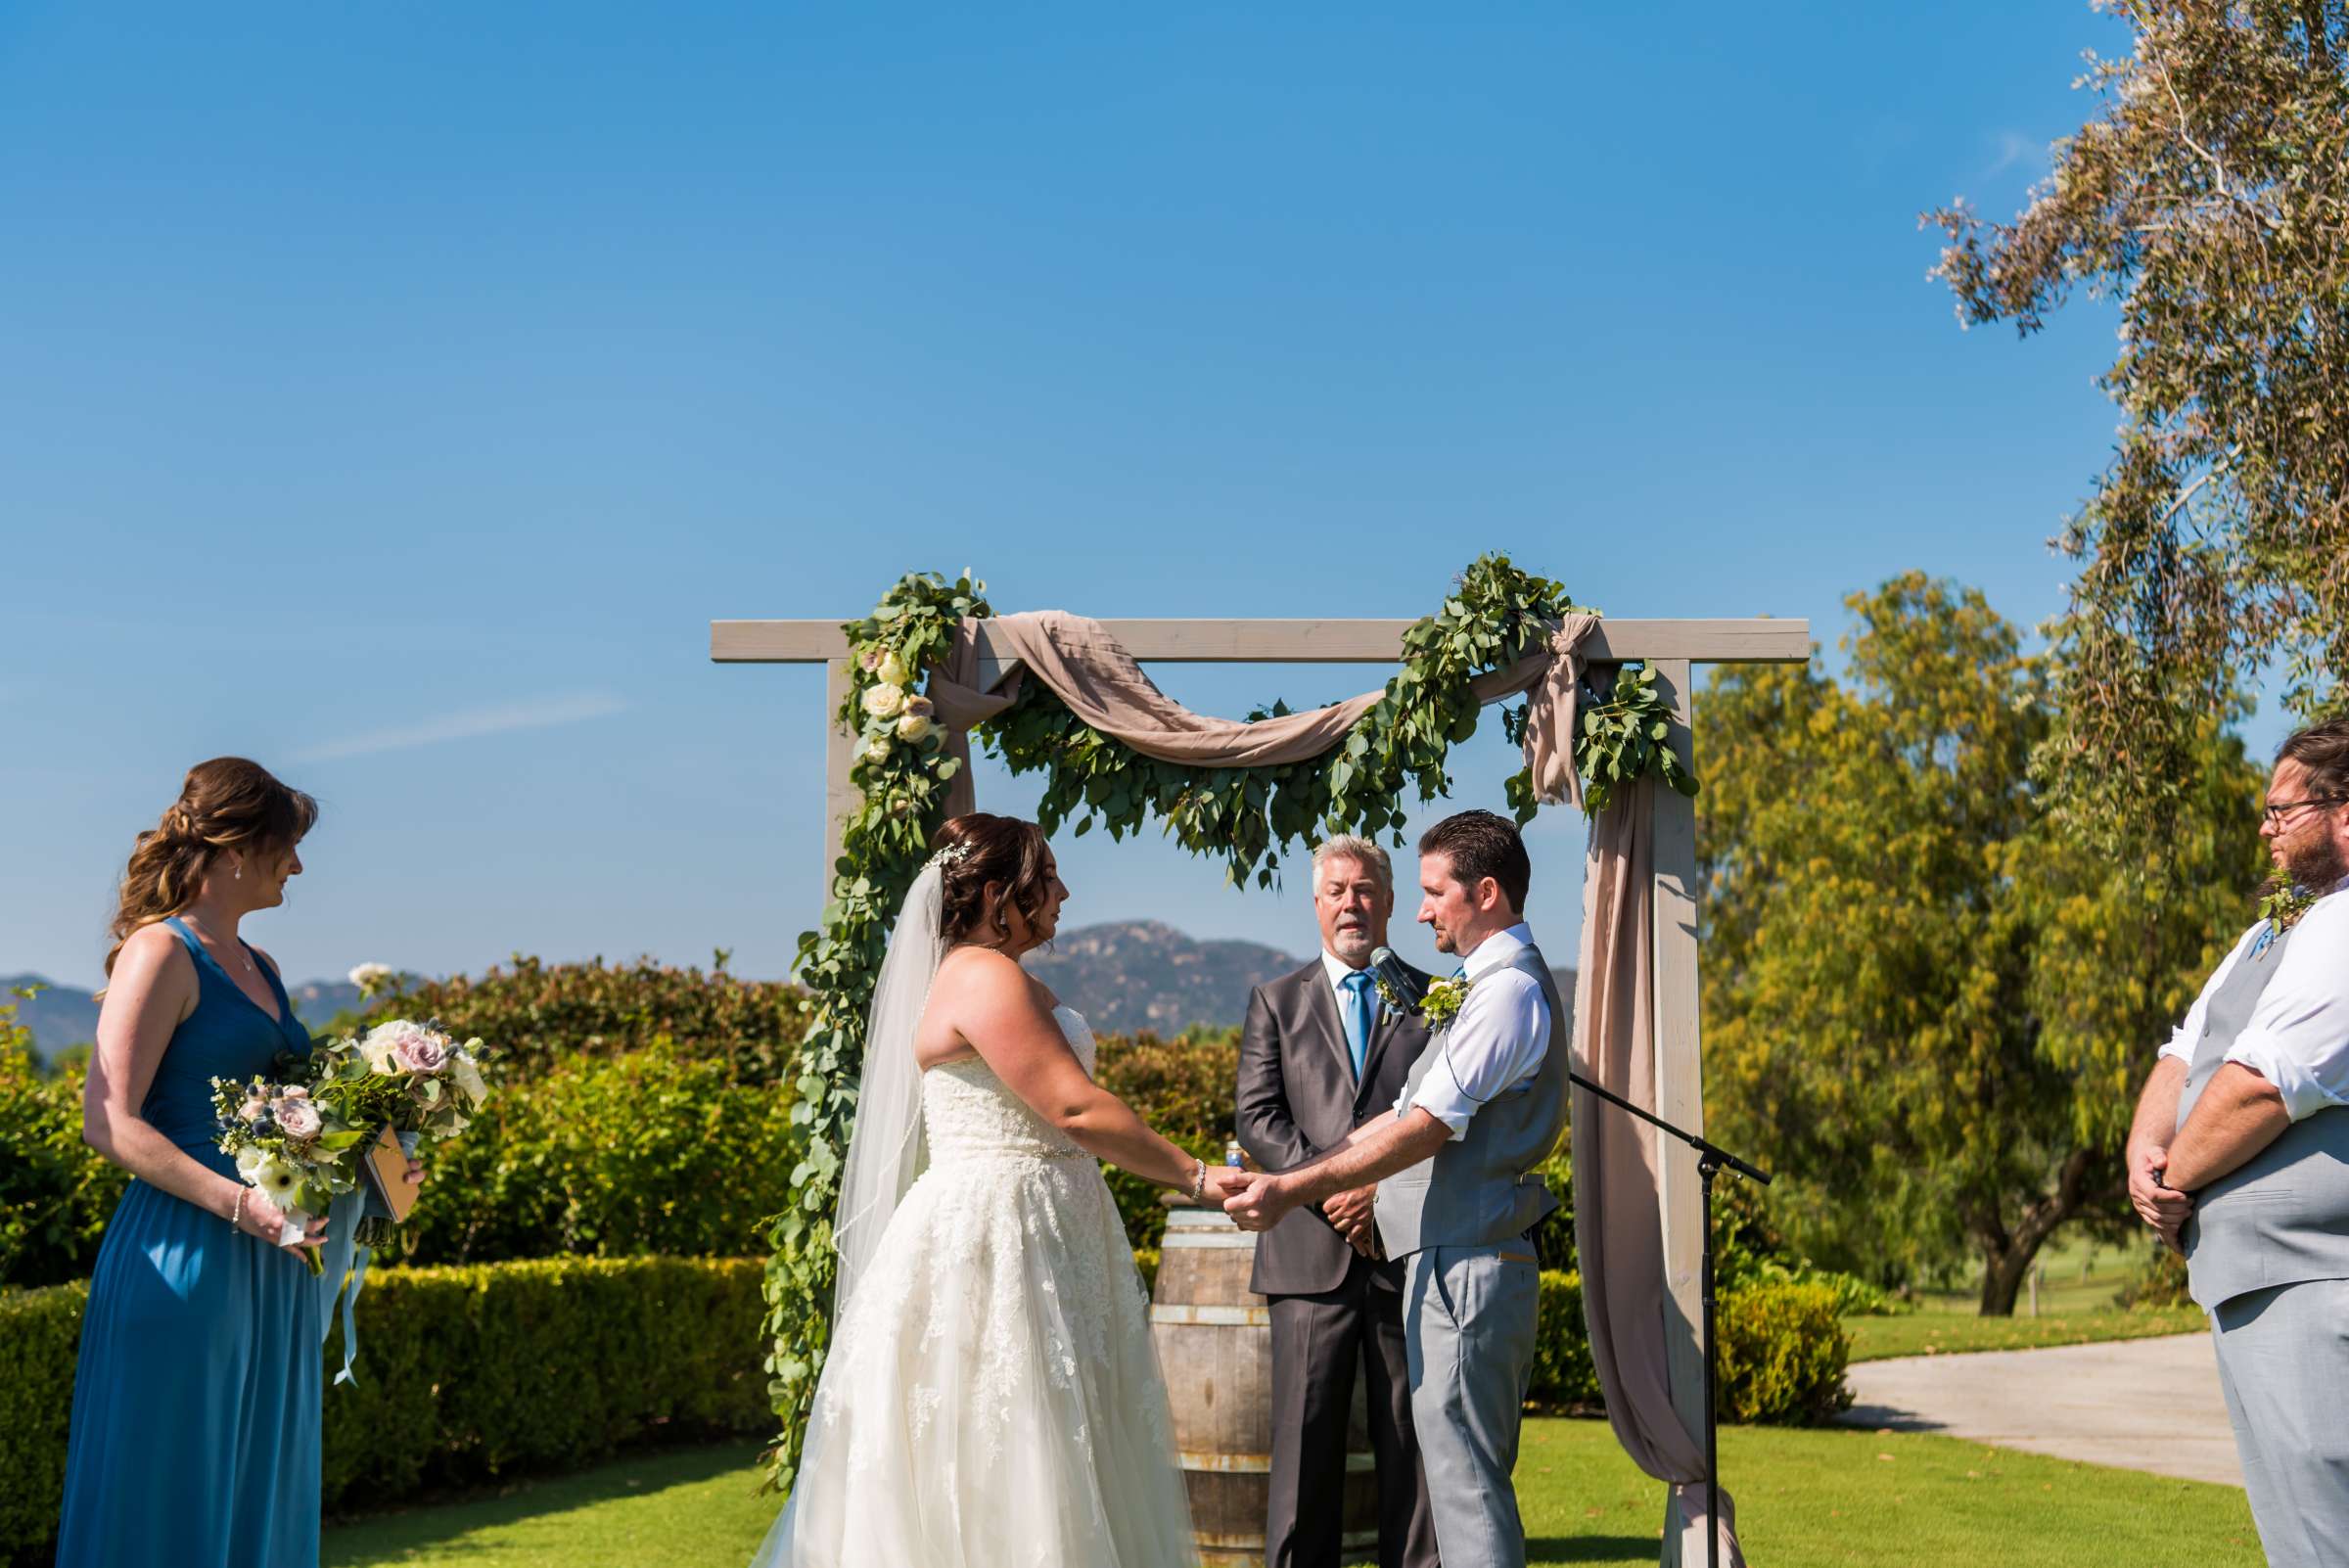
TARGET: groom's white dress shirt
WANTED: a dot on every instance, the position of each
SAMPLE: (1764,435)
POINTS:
(1495,1043)
(2298,1037)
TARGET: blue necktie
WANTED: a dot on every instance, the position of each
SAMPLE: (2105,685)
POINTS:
(1358,1019)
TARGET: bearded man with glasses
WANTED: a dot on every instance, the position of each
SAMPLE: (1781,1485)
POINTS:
(2239,1158)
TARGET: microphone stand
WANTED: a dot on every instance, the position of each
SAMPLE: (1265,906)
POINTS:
(1711,1160)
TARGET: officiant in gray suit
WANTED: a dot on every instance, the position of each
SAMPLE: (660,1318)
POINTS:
(2239,1157)
(1319,1055)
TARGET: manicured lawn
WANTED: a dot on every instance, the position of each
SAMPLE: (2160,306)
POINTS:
(1806,1498)
(1934,1331)
(2075,1308)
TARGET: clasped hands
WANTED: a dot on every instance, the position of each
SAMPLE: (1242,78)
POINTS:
(1265,1200)
(2165,1209)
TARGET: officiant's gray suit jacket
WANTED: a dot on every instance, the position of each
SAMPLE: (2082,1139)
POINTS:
(1298,1096)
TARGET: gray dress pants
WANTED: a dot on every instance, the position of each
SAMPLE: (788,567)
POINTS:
(2283,1361)
(1469,1316)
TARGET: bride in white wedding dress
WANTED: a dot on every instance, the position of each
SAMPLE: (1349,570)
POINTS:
(992,1396)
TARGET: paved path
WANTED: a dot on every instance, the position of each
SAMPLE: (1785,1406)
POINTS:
(2141,1403)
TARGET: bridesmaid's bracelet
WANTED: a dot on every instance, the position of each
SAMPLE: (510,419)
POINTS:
(236,1216)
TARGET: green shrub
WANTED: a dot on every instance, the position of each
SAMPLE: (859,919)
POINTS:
(1184,1089)
(538,1014)
(2159,1280)
(56,1194)
(655,1150)
(1563,1376)
(1784,1352)
(464,1375)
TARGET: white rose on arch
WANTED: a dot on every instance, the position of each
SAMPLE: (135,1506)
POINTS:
(892,670)
(877,749)
(883,701)
(913,726)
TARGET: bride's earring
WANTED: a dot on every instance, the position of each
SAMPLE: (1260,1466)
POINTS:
(237,872)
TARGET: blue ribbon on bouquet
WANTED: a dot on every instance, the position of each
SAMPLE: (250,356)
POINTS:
(343,1255)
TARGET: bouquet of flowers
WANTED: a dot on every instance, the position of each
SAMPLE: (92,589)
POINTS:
(289,1146)
(406,1076)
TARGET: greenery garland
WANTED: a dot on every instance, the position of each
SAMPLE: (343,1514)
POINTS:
(1494,616)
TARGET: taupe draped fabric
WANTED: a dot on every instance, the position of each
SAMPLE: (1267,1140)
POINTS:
(1618,1235)
(1104,685)
(1617,1224)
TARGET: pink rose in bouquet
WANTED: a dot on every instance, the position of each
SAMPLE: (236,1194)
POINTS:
(419,1052)
(297,1117)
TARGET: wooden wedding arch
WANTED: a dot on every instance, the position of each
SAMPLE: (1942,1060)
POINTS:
(1671,648)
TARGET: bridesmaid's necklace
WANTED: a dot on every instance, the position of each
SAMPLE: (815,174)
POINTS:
(212,941)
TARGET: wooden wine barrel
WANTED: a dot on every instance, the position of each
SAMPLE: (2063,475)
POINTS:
(1215,1340)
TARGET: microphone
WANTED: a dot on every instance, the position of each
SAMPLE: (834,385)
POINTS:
(1390,972)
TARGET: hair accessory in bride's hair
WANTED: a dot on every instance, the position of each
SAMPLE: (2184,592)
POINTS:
(951,854)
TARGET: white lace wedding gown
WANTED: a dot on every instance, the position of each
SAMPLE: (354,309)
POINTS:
(992,1397)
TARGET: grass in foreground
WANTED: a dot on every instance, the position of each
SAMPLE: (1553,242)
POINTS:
(1824,1498)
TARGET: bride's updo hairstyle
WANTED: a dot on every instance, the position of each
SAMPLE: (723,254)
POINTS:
(981,848)
(226,804)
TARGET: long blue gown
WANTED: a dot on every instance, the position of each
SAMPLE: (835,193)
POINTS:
(196,1399)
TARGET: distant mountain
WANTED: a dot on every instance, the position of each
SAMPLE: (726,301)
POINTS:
(1137,975)
(1134,975)
(59,1016)
(66,1015)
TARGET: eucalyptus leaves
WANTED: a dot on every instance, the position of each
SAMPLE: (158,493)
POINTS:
(1495,617)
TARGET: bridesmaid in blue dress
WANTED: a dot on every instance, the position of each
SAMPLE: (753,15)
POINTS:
(196,1405)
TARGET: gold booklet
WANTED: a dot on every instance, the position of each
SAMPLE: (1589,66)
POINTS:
(386,1172)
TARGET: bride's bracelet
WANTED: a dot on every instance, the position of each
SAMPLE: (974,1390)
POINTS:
(1199,1180)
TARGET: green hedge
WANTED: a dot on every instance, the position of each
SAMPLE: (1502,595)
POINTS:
(38,1332)
(464,1374)
(469,1373)
(656,1150)
(1784,1352)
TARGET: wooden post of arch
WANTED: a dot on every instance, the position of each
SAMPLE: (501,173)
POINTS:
(1672,648)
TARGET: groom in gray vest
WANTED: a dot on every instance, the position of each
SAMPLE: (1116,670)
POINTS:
(2239,1157)
(1455,1160)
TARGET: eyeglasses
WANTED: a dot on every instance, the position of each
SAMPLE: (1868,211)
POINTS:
(2280,810)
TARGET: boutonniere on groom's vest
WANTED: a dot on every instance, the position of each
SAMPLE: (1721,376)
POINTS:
(1436,1007)
(2281,904)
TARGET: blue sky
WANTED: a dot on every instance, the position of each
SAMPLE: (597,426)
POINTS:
(394,393)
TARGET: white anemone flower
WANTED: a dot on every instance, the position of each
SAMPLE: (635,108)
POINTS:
(279,1181)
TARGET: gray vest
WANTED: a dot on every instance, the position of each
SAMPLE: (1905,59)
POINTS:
(2281,1216)
(1479,1189)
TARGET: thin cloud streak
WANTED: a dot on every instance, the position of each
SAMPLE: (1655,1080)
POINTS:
(471,724)
(2014,148)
